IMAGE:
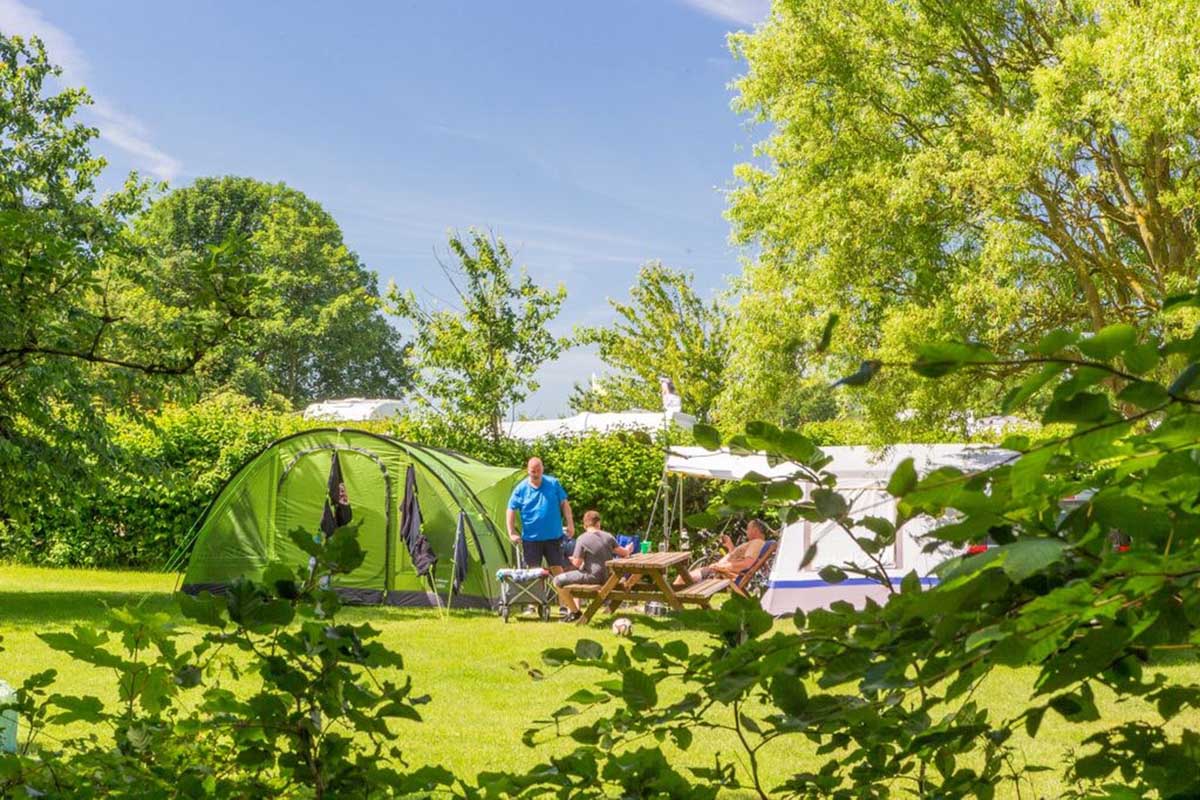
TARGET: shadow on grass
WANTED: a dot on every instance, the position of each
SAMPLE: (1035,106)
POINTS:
(60,609)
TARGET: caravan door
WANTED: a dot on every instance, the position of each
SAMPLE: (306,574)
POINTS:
(791,587)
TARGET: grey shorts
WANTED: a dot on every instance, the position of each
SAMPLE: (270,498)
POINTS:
(575,576)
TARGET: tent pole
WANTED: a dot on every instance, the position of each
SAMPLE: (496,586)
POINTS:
(679,506)
(450,588)
(437,598)
(668,505)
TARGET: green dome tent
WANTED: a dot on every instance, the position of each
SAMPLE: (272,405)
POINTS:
(285,487)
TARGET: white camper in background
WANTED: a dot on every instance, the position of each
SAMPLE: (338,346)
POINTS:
(862,474)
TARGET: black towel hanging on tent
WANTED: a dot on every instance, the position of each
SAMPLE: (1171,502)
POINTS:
(460,553)
(419,551)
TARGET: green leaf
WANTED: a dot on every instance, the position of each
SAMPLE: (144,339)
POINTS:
(784,492)
(1055,341)
(789,694)
(797,447)
(706,436)
(744,495)
(832,574)
(557,656)
(882,528)
(1080,408)
(77,709)
(1027,471)
(979,638)
(586,697)
(701,521)
(282,579)
(942,358)
(638,690)
(763,436)
(342,552)
(749,724)
(1030,386)
(866,371)
(1109,342)
(1144,394)
(304,540)
(589,650)
(1142,359)
(829,503)
(903,480)
(203,608)
(1026,557)
(827,333)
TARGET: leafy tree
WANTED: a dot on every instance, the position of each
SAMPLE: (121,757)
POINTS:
(478,361)
(88,318)
(324,334)
(665,330)
(990,171)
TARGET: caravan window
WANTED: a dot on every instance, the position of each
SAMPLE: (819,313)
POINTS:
(835,547)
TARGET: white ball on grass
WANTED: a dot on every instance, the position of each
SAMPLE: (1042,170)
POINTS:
(622,626)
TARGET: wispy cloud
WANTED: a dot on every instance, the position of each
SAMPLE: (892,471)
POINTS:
(116,127)
(743,12)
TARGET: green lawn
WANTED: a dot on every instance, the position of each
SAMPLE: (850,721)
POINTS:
(470,664)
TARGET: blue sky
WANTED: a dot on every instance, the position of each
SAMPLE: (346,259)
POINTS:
(591,136)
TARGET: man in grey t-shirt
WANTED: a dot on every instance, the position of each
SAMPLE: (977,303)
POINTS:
(593,549)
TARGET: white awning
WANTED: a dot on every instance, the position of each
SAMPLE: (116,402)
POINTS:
(852,465)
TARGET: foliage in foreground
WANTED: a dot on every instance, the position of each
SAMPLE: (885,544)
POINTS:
(882,696)
(318,721)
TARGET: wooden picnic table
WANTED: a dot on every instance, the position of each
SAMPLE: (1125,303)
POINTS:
(643,576)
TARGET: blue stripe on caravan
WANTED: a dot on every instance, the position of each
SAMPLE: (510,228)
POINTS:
(815,584)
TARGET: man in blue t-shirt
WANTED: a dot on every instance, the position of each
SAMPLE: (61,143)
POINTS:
(542,504)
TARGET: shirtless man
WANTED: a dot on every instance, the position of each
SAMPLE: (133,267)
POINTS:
(737,558)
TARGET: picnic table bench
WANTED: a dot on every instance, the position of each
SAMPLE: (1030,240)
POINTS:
(644,576)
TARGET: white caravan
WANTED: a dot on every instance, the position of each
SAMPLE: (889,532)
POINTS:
(862,474)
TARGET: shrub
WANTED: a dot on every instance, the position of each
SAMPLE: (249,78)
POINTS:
(158,471)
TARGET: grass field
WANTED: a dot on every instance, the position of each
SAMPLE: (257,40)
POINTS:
(471,664)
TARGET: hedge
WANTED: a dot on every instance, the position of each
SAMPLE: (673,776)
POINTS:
(164,468)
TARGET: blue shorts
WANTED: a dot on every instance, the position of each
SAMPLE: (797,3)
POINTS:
(549,549)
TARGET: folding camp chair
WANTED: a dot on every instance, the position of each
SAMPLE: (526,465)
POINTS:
(752,579)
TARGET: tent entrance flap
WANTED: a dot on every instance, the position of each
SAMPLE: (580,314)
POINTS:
(302,490)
